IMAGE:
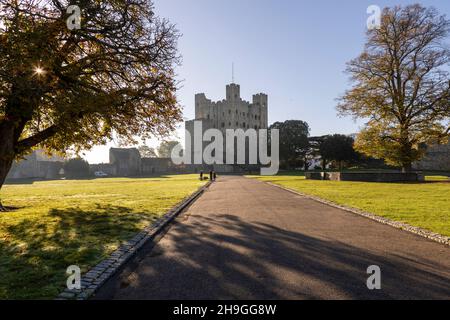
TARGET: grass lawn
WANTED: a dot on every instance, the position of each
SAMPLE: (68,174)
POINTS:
(75,222)
(425,205)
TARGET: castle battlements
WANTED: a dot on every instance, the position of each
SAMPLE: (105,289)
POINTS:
(230,113)
(233,112)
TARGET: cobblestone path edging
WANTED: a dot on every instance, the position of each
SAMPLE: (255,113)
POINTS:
(97,276)
(396,224)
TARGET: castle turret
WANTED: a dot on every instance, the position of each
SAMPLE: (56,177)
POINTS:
(260,101)
(233,92)
(201,105)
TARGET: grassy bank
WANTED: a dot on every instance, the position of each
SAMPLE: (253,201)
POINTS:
(425,205)
(75,222)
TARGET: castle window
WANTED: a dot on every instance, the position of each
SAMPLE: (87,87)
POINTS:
(229,124)
(236,112)
(229,111)
(237,123)
(223,124)
(243,124)
(208,116)
(256,127)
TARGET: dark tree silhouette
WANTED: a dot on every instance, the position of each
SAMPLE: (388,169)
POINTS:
(62,88)
(293,141)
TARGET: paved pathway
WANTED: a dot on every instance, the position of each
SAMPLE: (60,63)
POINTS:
(244,239)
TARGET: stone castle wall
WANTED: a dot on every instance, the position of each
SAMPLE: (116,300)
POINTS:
(231,113)
(36,166)
(437,157)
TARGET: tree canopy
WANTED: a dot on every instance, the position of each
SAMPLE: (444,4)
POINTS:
(63,89)
(293,141)
(401,85)
(147,152)
(337,147)
(165,148)
(76,168)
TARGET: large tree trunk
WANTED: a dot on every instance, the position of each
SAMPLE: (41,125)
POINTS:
(406,154)
(4,169)
(406,167)
(324,164)
(6,153)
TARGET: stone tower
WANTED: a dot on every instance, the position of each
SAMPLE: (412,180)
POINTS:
(231,113)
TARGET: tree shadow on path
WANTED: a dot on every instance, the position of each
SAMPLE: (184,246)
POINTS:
(223,257)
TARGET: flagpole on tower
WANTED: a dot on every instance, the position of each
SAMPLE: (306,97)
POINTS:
(232,72)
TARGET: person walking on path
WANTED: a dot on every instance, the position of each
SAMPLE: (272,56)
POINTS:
(201,175)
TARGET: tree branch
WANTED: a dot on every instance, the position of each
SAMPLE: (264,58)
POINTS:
(37,138)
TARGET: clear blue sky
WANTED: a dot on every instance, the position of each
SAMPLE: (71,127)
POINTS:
(295,51)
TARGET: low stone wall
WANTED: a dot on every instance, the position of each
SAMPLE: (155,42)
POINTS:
(366,176)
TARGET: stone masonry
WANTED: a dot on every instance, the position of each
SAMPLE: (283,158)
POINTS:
(231,113)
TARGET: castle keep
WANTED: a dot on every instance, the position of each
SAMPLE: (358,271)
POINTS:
(231,113)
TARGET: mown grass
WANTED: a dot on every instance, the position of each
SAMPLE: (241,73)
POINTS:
(75,222)
(425,205)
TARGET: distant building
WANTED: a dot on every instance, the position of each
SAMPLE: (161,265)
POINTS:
(437,157)
(127,162)
(37,165)
(230,113)
(156,165)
